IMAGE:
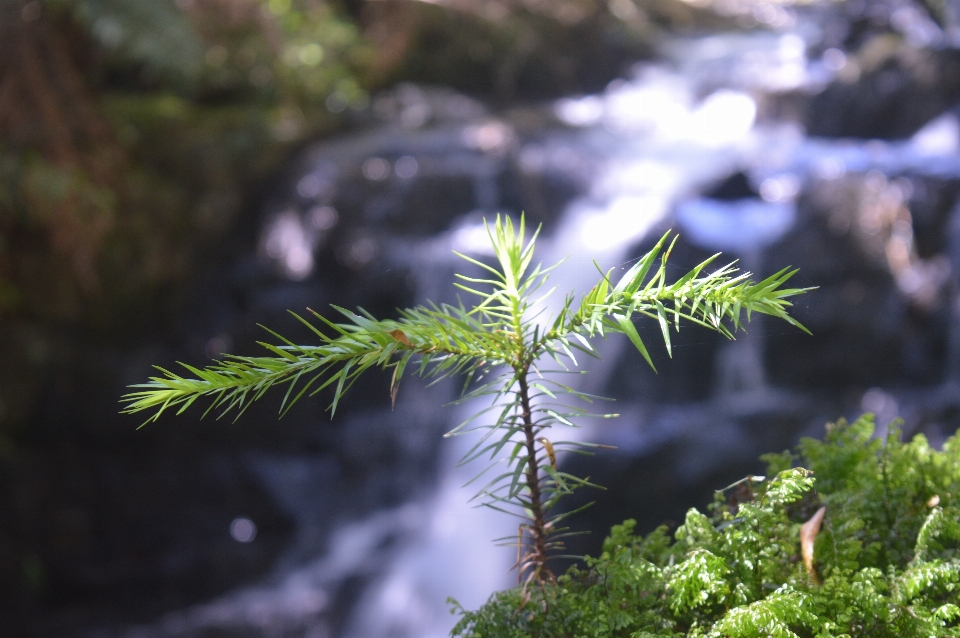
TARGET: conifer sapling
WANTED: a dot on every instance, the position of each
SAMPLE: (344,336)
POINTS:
(505,348)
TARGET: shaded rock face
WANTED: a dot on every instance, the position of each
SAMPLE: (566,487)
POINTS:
(733,188)
(896,90)
(533,56)
(868,330)
(893,66)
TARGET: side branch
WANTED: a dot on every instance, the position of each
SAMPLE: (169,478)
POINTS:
(444,341)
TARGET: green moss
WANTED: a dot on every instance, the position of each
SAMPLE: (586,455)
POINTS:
(886,560)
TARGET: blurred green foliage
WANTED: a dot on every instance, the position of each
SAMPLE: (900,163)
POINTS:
(138,127)
(131,137)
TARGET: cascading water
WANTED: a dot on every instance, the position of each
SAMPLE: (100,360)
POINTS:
(640,157)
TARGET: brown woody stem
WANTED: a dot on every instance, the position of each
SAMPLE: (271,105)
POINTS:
(538,527)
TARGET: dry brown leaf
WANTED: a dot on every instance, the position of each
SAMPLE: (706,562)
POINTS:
(548,446)
(808,535)
(401,337)
(394,388)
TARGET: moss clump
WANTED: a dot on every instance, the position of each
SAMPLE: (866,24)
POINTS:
(886,559)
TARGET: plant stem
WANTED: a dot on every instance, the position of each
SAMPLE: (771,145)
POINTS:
(539,554)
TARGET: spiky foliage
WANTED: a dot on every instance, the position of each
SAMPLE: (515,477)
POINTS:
(886,560)
(502,344)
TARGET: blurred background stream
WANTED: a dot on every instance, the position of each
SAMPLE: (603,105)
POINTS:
(173,173)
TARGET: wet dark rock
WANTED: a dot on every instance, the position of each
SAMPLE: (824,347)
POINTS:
(510,52)
(733,188)
(125,527)
(887,90)
(932,203)
(867,330)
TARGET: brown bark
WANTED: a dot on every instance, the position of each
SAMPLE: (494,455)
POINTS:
(57,135)
(48,108)
(538,529)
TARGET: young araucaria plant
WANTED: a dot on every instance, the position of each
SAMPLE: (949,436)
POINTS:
(500,346)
